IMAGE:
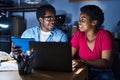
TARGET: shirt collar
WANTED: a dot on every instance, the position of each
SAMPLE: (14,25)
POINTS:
(52,32)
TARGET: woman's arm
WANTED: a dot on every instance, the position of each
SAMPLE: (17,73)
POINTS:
(74,50)
(104,62)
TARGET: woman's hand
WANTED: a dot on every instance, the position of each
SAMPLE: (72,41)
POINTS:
(78,63)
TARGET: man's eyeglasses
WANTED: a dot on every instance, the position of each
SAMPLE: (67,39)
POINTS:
(50,18)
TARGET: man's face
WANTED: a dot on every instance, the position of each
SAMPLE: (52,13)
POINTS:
(48,22)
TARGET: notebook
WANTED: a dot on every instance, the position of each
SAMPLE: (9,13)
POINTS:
(53,56)
(23,43)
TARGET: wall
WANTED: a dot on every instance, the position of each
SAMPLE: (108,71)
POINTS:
(110,8)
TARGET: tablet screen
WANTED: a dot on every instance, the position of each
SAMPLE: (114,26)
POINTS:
(23,43)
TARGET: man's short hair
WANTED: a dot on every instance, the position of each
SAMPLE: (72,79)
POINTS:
(42,9)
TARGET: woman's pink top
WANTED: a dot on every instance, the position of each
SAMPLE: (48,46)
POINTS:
(103,41)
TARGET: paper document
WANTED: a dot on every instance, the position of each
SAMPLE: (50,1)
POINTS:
(8,65)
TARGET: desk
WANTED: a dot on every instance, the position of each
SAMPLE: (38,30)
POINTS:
(79,74)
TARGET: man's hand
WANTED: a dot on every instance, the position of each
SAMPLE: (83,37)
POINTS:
(16,50)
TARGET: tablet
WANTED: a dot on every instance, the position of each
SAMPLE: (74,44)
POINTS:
(23,43)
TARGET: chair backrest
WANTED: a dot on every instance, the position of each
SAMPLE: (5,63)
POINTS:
(61,19)
(116,66)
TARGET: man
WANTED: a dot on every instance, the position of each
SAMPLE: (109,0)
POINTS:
(46,31)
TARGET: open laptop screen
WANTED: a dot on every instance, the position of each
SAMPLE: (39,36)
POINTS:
(55,56)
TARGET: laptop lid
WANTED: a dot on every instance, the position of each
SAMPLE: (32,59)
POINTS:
(23,43)
(54,56)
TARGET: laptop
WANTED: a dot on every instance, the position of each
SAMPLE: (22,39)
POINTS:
(23,43)
(52,56)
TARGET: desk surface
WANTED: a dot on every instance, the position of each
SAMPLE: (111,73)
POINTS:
(80,74)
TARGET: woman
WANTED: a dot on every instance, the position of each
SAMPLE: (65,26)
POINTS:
(95,45)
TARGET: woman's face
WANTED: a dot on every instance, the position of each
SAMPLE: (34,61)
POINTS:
(48,22)
(85,24)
